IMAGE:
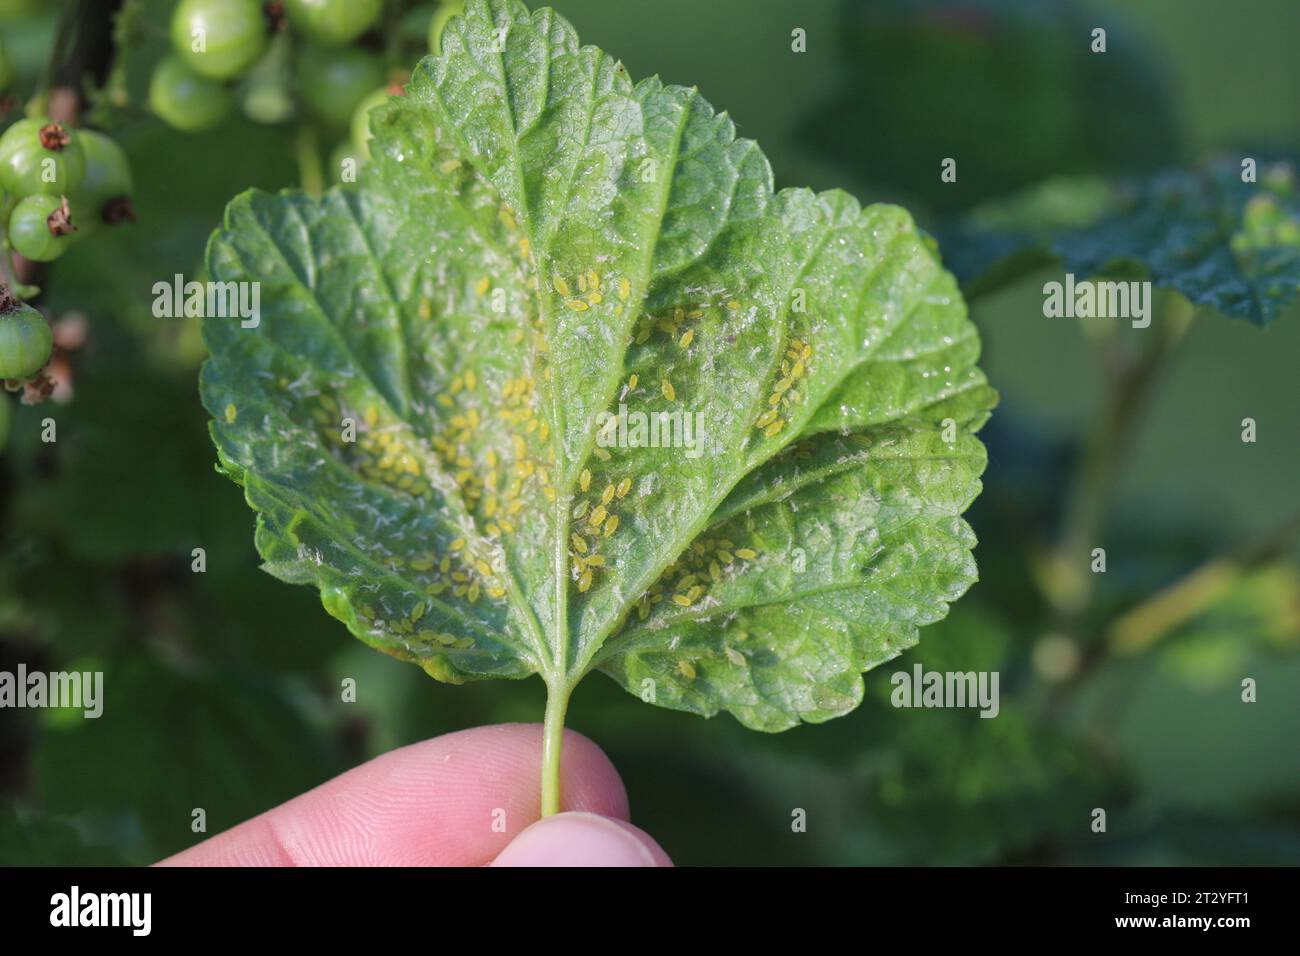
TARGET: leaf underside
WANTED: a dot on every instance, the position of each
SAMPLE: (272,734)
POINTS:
(539,240)
(1230,245)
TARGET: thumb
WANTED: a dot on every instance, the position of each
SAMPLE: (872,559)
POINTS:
(582,839)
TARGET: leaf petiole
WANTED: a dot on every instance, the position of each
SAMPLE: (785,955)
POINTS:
(557,702)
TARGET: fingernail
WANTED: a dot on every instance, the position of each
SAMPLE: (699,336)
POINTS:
(582,839)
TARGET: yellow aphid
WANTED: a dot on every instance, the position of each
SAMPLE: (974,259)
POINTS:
(584,582)
(444,565)
(733,305)
(593,280)
(597,516)
(624,288)
(602,453)
(687,337)
(735,656)
(686,669)
(670,393)
(483,568)
(577,305)
(584,479)
(449,165)
(482,286)
(417,612)
(231,414)
(607,495)
(582,282)
(372,416)
(458,544)
(473,593)
(624,487)
(611,525)
(631,382)
(596,560)
(579,543)
(681,600)
(561,286)
(642,336)
(695,314)
(766,418)
(771,430)
(748,554)
(595,298)
(581,509)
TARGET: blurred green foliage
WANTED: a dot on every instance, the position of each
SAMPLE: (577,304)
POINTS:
(222,688)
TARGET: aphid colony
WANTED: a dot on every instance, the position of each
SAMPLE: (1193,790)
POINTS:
(588,291)
(594,518)
(794,366)
(684,581)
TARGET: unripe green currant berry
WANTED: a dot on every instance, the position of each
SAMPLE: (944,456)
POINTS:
(105,193)
(219,39)
(361,120)
(25,339)
(445,12)
(184,100)
(335,22)
(40,227)
(39,156)
(332,81)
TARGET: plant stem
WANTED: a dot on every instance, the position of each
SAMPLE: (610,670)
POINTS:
(306,149)
(557,702)
(1140,627)
(1069,584)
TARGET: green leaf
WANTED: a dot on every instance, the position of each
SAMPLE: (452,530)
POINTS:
(1222,243)
(539,240)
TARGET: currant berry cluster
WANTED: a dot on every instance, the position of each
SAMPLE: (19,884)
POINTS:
(328,63)
(59,183)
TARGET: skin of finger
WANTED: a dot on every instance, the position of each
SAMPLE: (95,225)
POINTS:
(455,800)
(582,839)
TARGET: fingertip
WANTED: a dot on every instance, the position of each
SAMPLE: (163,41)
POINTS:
(582,839)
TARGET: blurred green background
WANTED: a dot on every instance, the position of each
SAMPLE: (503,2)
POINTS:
(222,688)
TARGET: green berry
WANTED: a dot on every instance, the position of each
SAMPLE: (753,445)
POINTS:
(219,39)
(333,81)
(39,156)
(40,228)
(25,340)
(185,100)
(335,22)
(445,12)
(361,120)
(105,193)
